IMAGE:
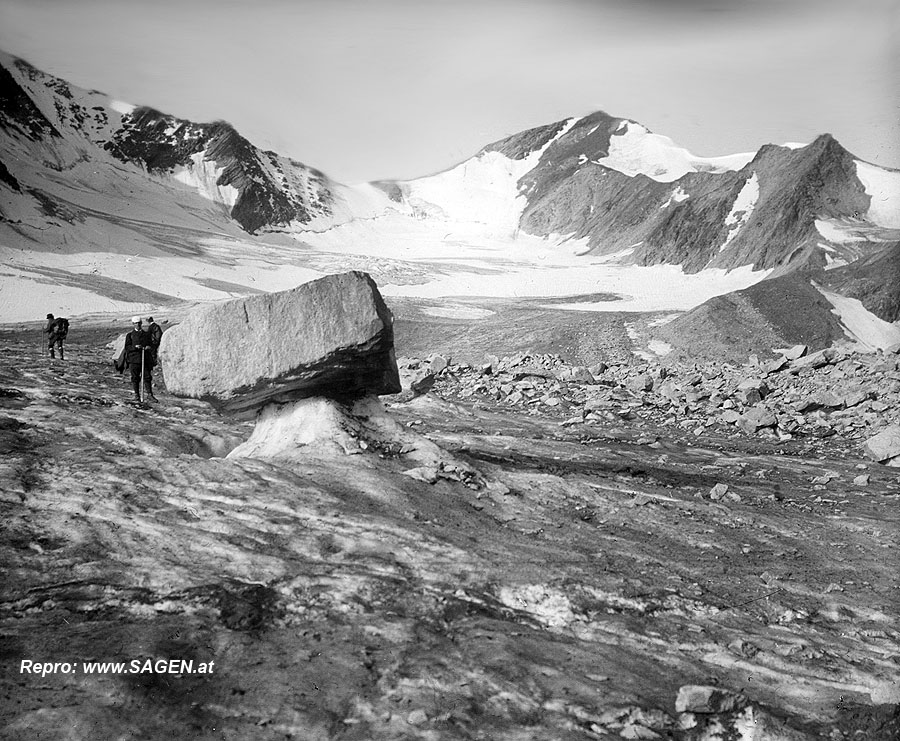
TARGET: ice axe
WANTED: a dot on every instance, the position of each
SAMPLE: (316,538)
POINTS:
(141,395)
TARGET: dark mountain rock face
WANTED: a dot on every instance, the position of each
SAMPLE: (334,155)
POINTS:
(566,188)
(796,187)
(690,233)
(18,112)
(572,191)
(260,179)
(157,141)
(518,146)
(160,143)
(587,140)
(7,177)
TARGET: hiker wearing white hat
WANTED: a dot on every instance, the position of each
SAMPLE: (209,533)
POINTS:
(141,359)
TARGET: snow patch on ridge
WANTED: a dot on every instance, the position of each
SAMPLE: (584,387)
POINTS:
(677,196)
(861,325)
(203,176)
(637,151)
(836,231)
(831,262)
(883,187)
(742,208)
(483,190)
(122,107)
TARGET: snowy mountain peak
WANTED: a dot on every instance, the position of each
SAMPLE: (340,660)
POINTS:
(76,163)
(49,120)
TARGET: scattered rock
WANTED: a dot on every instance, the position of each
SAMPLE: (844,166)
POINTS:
(693,698)
(827,394)
(422,382)
(428,474)
(752,391)
(828,399)
(718,491)
(417,717)
(437,363)
(756,417)
(884,446)
(795,352)
(642,382)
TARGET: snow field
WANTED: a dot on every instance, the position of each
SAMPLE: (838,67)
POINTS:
(883,186)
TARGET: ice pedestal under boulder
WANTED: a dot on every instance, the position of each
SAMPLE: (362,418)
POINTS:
(332,337)
(325,428)
(297,429)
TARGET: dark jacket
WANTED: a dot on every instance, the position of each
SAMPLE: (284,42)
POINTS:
(156,333)
(137,341)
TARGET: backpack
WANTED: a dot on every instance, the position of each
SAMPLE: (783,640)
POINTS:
(155,335)
(61,327)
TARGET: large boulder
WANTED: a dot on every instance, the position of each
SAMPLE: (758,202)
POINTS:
(885,446)
(332,337)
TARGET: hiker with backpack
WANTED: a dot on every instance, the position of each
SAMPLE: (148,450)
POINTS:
(140,358)
(56,331)
(156,334)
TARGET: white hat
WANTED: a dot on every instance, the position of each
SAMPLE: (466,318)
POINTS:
(135,320)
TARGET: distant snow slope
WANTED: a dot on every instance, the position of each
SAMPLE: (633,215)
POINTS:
(483,190)
(638,151)
(862,326)
(883,186)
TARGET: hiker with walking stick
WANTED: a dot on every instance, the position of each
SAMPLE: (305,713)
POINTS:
(140,359)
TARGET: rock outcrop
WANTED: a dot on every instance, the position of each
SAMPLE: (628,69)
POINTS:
(332,337)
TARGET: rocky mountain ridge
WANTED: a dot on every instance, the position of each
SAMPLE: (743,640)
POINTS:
(621,188)
(602,179)
(44,119)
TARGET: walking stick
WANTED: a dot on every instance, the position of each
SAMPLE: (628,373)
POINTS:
(142,376)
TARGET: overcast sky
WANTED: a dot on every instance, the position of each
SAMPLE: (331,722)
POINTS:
(368,89)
